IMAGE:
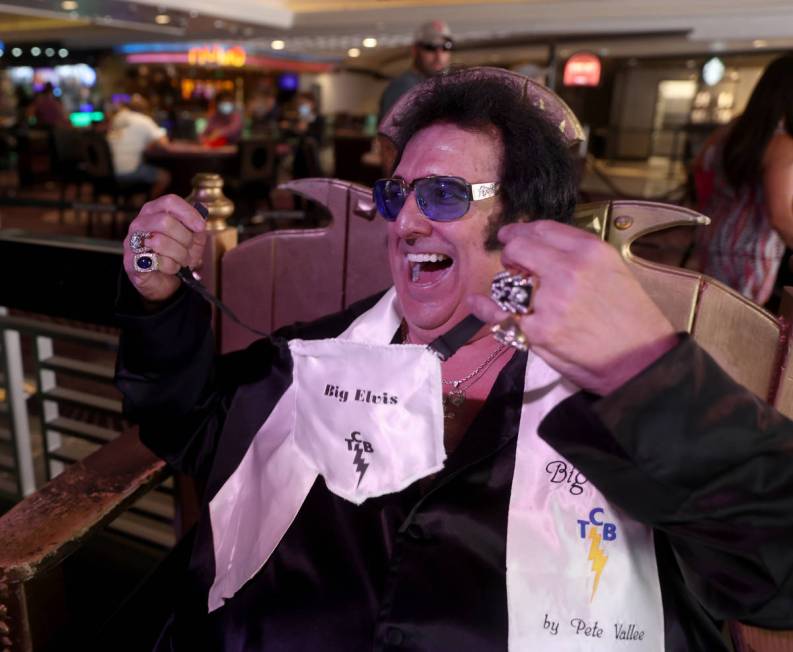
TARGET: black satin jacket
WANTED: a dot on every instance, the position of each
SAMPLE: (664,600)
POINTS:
(681,448)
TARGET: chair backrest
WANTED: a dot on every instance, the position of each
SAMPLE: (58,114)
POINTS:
(298,275)
(97,156)
(257,160)
(67,146)
(294,275)
(748,342)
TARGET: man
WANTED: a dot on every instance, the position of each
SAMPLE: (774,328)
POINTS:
(637,512)
(431,54)
(132,132)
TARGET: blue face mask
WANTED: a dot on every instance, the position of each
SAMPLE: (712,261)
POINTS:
(225,107)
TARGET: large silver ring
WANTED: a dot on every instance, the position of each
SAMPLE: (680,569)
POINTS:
(146,262)
(137,241)
(513,292)
(508,332)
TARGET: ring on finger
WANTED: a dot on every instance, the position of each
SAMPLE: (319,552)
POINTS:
(508,332)
(146,262)
(137,241)
(514,292)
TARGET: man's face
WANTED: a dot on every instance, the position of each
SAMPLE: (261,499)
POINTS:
(431,61)
(432,294)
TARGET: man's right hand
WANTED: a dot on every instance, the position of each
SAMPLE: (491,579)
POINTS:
(178,236)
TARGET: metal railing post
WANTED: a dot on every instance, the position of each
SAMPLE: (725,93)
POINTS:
(48,410)
(17,410)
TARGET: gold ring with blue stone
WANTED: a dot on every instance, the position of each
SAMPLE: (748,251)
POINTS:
(146,262)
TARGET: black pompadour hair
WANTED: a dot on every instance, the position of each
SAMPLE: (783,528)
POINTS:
(537,175)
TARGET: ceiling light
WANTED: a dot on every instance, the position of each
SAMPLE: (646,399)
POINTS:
(63,53)
(370,42)
(17,52)
(353,52)
(713,71)
(759,43)
(162,19)
(69,5)
(49,52)
(277,44)
(36,51)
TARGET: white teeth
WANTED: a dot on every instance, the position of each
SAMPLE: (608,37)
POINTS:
(426,258)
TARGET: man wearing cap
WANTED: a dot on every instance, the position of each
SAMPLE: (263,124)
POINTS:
(432,53)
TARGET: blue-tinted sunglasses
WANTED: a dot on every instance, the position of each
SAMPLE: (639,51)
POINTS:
(442,199)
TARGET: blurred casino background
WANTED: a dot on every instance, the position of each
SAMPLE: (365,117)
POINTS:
(300,80)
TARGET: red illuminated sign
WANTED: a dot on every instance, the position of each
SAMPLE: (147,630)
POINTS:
(582,69)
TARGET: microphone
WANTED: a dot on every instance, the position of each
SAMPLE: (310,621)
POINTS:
(185,273)
(192,280)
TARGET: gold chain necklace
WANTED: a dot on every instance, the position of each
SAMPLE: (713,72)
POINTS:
(456,397)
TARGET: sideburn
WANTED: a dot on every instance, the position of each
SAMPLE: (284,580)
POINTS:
(496,221)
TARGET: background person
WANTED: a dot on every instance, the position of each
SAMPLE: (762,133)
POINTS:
(132,132)
(431,54)
(47,109)
(744,183)
(263,115)
(307,127)
(694,537)
(224,126)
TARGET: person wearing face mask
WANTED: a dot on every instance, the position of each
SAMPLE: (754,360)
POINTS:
(305,119)
(263,115)
(431,54)
(224,126)
(309,129)
(608,488)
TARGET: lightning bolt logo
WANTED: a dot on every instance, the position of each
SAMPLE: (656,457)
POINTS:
(597,557)
(361,465)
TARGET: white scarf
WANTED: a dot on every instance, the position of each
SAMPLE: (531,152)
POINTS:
(581,575)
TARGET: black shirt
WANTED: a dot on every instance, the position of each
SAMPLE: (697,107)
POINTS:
(424,569)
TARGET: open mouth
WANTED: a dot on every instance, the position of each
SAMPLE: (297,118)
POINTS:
(427,268)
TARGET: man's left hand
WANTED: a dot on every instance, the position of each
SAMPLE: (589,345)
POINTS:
(591,319)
